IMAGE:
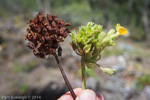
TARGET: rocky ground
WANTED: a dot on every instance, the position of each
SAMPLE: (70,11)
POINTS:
(21,73)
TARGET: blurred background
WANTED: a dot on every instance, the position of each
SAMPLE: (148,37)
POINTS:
(23,74)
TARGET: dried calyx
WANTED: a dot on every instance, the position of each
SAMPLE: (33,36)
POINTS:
(45,33)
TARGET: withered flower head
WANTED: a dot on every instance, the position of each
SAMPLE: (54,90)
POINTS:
(45,33)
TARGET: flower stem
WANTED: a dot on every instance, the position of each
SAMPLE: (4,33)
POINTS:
(65,77)
(83,73)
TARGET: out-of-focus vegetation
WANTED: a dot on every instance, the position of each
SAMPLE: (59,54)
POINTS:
(17,67)
(132,13)
(143,81)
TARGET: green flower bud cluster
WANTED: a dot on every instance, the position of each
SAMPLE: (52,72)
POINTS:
(90,41)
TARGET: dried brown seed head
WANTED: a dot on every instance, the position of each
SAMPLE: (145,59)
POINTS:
(45,33)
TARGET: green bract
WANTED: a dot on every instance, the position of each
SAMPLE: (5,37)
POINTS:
(90,41)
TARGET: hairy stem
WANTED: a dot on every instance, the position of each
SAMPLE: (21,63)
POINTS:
(83,73)
(65,77)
